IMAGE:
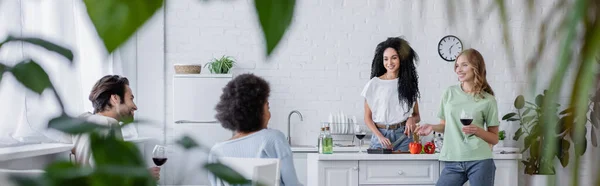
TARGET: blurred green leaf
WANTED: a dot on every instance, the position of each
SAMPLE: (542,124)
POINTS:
(509,115)
(44,44)
(563,152)
(528,119)
(512,119)
(275,17)
(519,102)
(518,134)
(32,76)
(226,174)
(534,150)
(73,125)
(128,157)
(2,70)
(116,20)
(539,100)
(566,111)
(187,142)
(526,111)
(66,173)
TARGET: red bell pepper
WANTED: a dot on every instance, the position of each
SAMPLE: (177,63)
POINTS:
(429,148)
(415,147)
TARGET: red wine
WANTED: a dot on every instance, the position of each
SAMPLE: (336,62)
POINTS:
(466,122)
(159,161)
(360,136)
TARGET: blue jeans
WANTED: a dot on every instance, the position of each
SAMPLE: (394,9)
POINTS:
(392,135)
(479,172)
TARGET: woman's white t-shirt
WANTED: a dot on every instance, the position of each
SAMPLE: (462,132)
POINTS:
(382,98)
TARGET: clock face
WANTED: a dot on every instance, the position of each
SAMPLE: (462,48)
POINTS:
(449,47)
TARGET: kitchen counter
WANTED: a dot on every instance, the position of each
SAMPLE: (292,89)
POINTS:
(365,156)
(354,169)
(313,149)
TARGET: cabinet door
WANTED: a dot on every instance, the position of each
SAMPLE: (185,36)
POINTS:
(507,172)
(338,173)
(300,165)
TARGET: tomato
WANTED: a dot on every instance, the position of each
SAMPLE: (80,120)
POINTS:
(415,147)
(429,148)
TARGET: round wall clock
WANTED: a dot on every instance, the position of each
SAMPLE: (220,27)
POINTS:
(449,47)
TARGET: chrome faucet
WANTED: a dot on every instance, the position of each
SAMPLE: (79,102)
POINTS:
(289,138)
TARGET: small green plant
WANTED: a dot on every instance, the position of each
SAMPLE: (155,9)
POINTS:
(221,65)
(501,135)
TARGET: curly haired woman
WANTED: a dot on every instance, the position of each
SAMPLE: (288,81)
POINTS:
(391,108)
(244,109)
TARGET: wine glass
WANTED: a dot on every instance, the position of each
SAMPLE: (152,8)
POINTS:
(159,155)
(360,134)
(466,120)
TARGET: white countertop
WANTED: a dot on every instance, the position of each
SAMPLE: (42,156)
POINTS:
(365,156)
(26,151)
(32,150)
(335,149)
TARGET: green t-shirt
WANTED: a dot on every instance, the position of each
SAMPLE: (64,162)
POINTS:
(482,110)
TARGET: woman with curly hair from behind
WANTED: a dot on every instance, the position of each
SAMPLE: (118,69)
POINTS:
(244,109)
(391,109)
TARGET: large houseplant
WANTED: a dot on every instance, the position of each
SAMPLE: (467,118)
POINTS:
(531,124)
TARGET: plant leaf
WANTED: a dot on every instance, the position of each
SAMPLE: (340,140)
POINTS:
(563,152)
(528,119)
(512,119)
(2,70)
(566,111)
(226,174)
(518,134)
(275,17)
(66,173)
(44,44)
(187,142)
(539,99)
(519,102)
(509,115)
(73,125)
(32,76)
(526,111)
(534,149)
(116,20)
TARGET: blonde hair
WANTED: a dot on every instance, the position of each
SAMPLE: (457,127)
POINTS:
(475,59)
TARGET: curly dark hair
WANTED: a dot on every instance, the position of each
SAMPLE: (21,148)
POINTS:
(408,79)
(240,107)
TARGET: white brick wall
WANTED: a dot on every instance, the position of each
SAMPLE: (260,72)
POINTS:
(324,60)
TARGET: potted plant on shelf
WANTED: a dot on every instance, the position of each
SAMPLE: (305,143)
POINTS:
(528,115)
(501,136)
(222,65)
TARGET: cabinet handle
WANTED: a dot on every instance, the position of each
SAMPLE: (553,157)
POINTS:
(400,172)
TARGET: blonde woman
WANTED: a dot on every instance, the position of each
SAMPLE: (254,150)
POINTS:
(466,151)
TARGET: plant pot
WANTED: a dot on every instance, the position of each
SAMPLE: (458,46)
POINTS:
(538,179)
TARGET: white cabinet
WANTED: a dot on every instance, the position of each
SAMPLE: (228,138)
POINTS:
(339,173)
(394,172)
(300,165)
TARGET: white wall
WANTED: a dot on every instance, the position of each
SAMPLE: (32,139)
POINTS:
(324,60)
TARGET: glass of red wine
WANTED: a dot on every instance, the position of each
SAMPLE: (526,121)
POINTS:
(159,155)
(466,120)
(360,134)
